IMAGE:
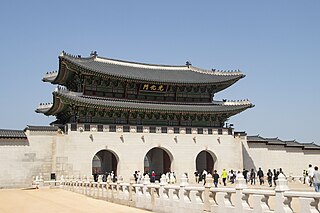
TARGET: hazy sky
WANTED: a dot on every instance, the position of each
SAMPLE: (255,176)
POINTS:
(275,43)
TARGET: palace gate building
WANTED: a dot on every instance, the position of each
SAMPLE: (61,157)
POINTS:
(120,116)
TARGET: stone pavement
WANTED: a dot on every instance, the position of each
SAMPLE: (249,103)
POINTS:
(56,200)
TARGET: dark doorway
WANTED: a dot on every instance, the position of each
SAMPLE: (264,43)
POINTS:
(204,161)
(104,162)
(157,160)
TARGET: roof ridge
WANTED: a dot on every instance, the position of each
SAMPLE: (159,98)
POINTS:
(216,72)
(11,130)
(106,60)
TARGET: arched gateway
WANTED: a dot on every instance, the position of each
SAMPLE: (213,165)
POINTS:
(205,161)
(103,162)
(157,160)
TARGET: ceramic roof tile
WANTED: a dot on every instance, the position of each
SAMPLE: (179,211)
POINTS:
(150,72)
(152,106)
(5,133)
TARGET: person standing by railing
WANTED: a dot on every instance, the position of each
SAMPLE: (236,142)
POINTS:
(196,174)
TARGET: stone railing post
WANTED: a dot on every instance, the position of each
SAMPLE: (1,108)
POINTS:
(241,200)
(146,182)
(206,196)
(84,186)
(283,204)
(183,184)
(40,182)
(163,182)
(62,182)
(131,193)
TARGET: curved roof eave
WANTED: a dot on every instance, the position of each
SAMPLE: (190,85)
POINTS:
(79,99)
(51,108)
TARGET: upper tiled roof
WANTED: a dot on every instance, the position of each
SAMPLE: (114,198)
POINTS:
(150,72)
(277,141)
(6,133)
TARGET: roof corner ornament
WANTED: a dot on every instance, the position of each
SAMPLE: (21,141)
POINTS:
(188,63)
(94,53)
(62,53)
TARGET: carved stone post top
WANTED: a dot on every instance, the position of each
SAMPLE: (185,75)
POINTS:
(240,182)
(163,180)
(146,179)
(132,180)
(282,184)
(184,180)
(209,181)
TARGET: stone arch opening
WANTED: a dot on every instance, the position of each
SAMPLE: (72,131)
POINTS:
(104,162)
(205,161)
(158,160)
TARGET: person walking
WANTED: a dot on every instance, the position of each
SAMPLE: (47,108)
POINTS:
(260,176)
(269,175)
(196,174)
(215,177)
(253,177)
(224,176)
(316,179)
(275,177)
(310,173)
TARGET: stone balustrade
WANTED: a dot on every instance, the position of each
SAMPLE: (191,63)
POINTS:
(163,197)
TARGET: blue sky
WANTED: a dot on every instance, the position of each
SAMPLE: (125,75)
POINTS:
(275,43)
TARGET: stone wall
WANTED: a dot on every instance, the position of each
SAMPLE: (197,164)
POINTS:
(21,161)
(293,160)
(78,148)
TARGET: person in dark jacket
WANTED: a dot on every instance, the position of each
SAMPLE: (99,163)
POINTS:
(215,177)
(260,176)
(269,175)
(252,177)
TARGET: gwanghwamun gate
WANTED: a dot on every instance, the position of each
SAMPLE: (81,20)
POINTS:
(121,116)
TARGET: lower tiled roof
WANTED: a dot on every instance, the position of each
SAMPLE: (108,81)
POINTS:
(277,141)
(97,102)
(6,133)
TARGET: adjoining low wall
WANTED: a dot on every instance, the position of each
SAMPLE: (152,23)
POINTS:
(185,198)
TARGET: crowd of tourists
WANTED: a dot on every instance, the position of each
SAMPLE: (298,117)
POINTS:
(251,176)
(170,177)
(311,176)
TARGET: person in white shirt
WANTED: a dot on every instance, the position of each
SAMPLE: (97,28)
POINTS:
(316,179)
(310,174)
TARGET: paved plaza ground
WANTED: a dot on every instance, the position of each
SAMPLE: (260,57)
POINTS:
(59,200)
(56,200)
